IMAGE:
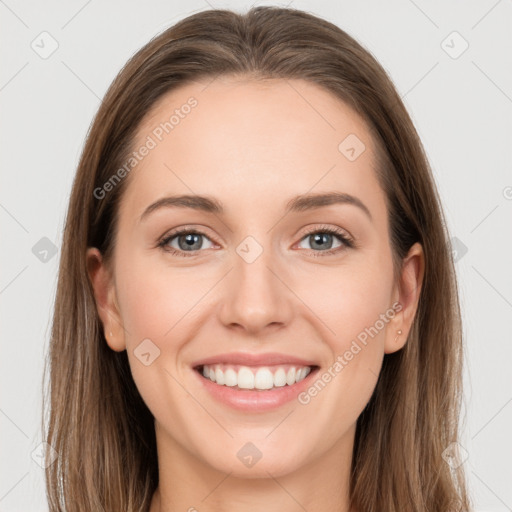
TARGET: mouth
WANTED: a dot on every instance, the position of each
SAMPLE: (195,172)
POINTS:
(255,378)
(254,383)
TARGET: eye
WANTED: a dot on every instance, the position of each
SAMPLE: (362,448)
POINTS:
(183,241)
(321,240)
(188,242)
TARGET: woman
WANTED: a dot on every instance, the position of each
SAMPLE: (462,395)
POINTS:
(256,303)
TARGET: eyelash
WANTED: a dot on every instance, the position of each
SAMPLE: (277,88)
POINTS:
(346,241)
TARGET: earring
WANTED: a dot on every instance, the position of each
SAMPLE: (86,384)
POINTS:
(111,333)
(398,334)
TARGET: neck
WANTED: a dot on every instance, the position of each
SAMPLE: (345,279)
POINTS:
(187,483)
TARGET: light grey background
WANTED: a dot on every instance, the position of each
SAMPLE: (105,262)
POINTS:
(461,106)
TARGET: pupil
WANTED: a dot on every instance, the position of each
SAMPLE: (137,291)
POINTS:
(190,240)
(319,239)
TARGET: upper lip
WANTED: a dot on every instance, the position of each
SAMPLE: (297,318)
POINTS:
(245,359)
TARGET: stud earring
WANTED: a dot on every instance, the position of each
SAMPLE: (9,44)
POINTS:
(398,334)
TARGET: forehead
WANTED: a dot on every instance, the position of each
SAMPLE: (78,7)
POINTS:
(259,141)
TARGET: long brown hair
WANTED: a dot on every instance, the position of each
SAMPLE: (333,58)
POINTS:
(99,425)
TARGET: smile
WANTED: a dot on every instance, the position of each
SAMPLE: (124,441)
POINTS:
(254,389)
(259,378)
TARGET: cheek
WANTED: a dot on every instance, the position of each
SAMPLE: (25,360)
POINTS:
(154,299)
(160,304)
(350,299)
(157,304)
(355,306)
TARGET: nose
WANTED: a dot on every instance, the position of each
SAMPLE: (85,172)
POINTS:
(256,297)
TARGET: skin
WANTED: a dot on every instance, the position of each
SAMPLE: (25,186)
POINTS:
(253,146)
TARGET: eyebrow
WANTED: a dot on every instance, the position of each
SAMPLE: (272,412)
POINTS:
(299,203)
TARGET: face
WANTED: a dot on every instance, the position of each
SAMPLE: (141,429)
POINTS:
(267,288)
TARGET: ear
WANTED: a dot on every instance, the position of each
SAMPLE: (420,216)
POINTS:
(407,293)
(104,293)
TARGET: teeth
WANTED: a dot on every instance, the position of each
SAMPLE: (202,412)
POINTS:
(219,376)
(230,377)
(280,378)
(251,378)
(245,378)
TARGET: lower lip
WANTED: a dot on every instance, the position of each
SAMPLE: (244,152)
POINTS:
(252,400)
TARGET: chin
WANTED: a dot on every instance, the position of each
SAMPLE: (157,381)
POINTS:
(258,465)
